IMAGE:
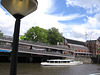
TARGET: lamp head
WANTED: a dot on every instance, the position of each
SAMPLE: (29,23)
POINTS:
(19,8)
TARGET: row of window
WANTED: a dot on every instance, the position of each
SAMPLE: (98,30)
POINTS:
(81,51)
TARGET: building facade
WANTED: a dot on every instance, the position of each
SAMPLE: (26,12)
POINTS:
(79,48)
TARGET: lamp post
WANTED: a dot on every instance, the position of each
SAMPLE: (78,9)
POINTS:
(19,9)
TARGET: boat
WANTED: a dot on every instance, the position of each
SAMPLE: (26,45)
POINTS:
(60,62)
(95,74)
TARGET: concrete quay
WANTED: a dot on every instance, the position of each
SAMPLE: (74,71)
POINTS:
(85,60)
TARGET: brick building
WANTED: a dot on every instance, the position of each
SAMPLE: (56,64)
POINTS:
(79,48)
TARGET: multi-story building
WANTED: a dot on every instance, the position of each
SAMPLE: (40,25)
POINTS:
(94,49)
(79,48)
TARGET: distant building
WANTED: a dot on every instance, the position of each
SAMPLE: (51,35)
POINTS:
(94,46)
(78,47)
(94,49)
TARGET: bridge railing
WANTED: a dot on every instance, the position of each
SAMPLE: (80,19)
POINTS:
(36,43)
(6,38)
(5,46)
(41,51)
(43,44)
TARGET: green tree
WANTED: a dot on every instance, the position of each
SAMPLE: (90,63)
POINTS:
(54,36)
(22,37)
(1,34)
(36,34)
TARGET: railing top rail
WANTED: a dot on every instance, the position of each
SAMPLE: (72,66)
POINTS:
(37,44)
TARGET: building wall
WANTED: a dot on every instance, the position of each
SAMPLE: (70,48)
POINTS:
(78,47)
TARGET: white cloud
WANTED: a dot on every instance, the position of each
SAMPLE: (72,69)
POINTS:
(6,22)
(45,6)
(42,19)
(90,5)
(37,18)
(91,28)
(69,17)
(92,24)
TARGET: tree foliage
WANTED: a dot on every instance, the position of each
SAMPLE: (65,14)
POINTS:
(36,34)
(1,34)
(22,37)
(51,36)
(54,36)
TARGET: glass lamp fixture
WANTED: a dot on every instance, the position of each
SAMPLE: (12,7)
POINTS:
(19,7)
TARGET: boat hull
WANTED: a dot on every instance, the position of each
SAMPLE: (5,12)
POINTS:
(61,64)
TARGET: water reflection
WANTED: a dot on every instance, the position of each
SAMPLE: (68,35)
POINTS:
(37,69)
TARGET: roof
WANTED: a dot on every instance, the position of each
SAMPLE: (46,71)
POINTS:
(74,42)
(98,39)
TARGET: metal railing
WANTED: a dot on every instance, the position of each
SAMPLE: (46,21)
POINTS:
(33,51)
(36,43)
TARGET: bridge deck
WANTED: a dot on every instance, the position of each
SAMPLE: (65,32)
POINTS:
(39,45)
(38,52)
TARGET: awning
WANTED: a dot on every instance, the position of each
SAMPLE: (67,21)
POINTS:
(5,51)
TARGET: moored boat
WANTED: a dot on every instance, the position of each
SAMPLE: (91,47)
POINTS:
(95,74)
(60,62)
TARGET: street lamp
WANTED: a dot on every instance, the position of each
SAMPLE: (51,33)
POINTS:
(19,9)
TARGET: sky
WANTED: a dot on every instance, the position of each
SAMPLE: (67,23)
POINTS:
(75,19)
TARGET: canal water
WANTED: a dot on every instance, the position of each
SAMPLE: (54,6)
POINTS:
(37,69)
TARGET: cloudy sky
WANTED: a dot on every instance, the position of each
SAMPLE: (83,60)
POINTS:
(76,19)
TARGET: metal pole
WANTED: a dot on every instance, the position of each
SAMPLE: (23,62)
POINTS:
(14,56)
